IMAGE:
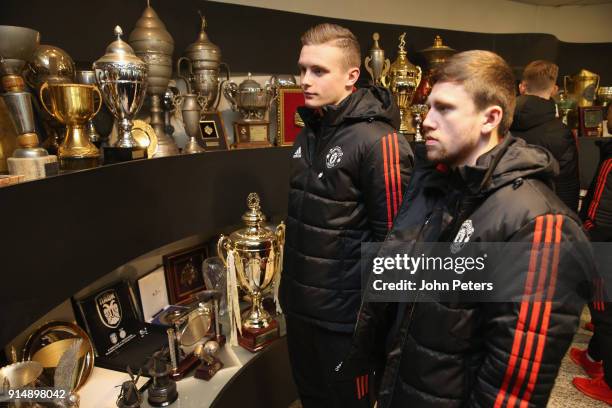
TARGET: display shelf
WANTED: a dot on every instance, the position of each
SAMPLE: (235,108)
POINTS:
(62,233)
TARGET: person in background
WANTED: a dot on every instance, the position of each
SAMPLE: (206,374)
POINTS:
(535,121)
(349,170)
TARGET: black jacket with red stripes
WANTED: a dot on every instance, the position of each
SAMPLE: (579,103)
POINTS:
(479,354)
(348,175)
(596,211)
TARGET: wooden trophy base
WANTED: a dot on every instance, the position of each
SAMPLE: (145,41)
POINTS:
(256,339)
(122,154)
(206,371)
(251,134)
(79,163)
(184,366)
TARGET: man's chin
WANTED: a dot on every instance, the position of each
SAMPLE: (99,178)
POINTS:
(313,104)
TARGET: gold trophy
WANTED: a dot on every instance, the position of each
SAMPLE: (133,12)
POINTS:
(582,86)
(375,62)
(73,105)
(253,260)
(403,81)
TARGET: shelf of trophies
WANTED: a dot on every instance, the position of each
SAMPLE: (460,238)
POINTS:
(94,117)
(194,322)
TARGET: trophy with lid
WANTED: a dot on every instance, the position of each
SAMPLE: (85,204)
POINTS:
(375,62)
(582,87)
(403,81)
(18,45)
(154,45)
(122,79)
(253,259)
(435,55)
(252,101)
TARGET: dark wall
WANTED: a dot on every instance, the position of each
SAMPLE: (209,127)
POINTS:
(267,41)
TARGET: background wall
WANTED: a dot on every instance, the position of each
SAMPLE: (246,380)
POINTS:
(267,41)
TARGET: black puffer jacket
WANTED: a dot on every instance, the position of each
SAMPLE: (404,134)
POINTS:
(349,172)
(479,354)
(535,121)
(596,209)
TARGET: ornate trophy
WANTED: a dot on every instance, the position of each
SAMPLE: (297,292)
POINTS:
(252,101)
(435,55)
(17,45)
(169,107)
(163,390)
(203,59)
(154,45)
(253,258)
(122,79)
(191,109)
(73,105)
(89,78)
(209,363)
(418,111)
(402,81)
(375,63)
(53,65)
(582,87)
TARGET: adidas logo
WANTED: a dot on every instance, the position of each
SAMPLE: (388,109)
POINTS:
(298,153)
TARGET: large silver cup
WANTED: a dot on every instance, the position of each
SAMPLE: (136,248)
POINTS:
(19,105)
(89,78)
(122,79)
(191,109)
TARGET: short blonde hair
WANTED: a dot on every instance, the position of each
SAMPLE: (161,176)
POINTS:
(486,77)
(540,75)
(341,37)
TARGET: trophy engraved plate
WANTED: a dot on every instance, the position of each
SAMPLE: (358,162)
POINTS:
(213,131)
(253,258)
(590,121)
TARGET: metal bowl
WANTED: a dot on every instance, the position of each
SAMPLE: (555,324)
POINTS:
(49,64)
(18,42)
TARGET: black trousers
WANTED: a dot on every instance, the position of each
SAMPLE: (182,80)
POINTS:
(600,346)
(314,353)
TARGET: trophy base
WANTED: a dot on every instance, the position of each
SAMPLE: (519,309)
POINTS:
(206,371)
(33,168)
(184,366)
(213,132)
(123,154)
(79,163)
(251,134)
(257,339)
(163,396)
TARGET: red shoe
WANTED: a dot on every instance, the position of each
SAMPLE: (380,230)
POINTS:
(595,388)
(589,326)
(592,368)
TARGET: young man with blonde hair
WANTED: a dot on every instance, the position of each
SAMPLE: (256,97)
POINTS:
(482,186)
(349,172)
(536,121)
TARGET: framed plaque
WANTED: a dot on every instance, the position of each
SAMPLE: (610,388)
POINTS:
(249,134)
(590,120)
(288,120)
(153,294)
(183,270)
(110,318)
(213,131)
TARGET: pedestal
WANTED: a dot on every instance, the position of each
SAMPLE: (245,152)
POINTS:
(184,366)
(123,154)
(257,339)
(206,370)
(32,168)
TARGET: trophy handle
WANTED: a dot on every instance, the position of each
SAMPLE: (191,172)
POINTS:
(565,78)
(201,101)
(100,98)
(222,248)
(230,90)
(226,69)
(280,233)
(385,70)
(366,64)
(42,100)
(179,64)
(177,101)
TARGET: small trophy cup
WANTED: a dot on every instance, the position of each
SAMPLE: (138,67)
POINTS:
(253,258)
(418,112)
(191,109)
(252,101)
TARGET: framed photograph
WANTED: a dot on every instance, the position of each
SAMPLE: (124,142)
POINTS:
(153,294)
(213,132)
(183,270)
(288,120)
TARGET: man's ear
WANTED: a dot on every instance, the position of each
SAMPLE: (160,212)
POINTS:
(353,76)
(554,90)
(522,88)
(491,118)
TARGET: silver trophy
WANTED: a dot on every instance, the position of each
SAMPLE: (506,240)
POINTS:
(191,109)
(122,79)
(375,62)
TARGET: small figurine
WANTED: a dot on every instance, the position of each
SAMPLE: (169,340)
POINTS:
(129,396)
(210,364)
(163,390)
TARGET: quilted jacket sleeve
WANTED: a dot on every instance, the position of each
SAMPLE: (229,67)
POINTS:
(385,174)
(525,341)
(597,208)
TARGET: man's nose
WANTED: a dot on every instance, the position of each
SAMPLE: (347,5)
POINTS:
(305,79)
(428,122)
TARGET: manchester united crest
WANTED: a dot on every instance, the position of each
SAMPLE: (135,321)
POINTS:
(334,156)
(109,308)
